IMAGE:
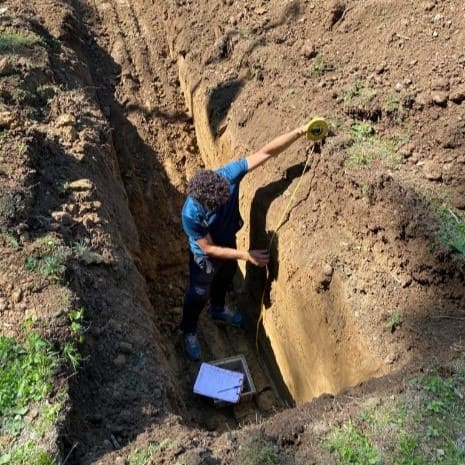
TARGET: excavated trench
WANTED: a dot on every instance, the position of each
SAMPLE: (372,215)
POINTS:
(307,341)
(309,337)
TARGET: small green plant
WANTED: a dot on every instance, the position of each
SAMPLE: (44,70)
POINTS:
(25,381)
(392,104)
(31,264)
(319,65)
(72,354)
(422,426)
(407,452)
(70,350)
(63,188)
(47,243)
(436,406)
(20,96)
(358,94)
(258,451)
(317,68)
(47,258)
(11,240)
(361,149)
(452,231)
(143,456)
(12,41)
(27,453)
(80,247)
(46,92)
(51,267)
(77,323)
(21,148)
(361,130)
(394,321)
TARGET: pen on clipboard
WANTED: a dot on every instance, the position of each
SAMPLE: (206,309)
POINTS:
(229,388)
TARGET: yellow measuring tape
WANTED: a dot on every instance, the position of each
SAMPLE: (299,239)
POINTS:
(316,130)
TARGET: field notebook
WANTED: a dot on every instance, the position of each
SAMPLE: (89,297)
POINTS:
(219,383)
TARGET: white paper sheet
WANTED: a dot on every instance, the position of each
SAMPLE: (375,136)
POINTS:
(219,383)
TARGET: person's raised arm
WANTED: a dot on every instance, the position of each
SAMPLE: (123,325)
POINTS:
(274,147)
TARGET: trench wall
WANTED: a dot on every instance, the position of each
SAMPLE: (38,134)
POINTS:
(313,335)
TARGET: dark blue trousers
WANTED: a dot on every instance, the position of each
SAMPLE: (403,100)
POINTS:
(207,278)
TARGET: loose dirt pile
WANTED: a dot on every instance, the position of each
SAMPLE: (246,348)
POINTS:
(112,106)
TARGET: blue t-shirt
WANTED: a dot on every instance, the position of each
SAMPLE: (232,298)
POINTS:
(222,224)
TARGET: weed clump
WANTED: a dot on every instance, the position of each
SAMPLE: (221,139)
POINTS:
(258,451)
(365,147)
(47,259)
(452,231)
(12,41)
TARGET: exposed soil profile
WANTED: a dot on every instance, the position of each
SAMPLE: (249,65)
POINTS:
(122,101)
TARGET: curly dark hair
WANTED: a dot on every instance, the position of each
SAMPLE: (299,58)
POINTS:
(209,188)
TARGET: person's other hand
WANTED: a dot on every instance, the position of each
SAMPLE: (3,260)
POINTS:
(258,257)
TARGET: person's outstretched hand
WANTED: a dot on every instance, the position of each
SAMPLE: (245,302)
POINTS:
(258,257)
(302,130)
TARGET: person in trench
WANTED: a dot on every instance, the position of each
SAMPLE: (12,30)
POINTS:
(211,219)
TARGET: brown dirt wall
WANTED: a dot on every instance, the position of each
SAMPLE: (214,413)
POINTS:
(248,80)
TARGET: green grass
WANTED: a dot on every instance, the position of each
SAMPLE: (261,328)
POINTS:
(26,385)
(319,66)
(70,349)
(394,321)
(47,259)
(422,426)
(11,42)
(25,379)
(27,453)
(365,147)
(11,240)
(258,451)
(47,92)
(26,372)
(51,266)
(358,94)
(352,446)
(392,104)
(452,231)
(361,130)
(80,247)
(144,456)
(21,148)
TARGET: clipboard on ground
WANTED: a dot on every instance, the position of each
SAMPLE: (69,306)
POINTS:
(219,383)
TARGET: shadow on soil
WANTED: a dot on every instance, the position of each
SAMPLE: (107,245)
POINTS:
(220,99)
(258,281)
(121,388)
